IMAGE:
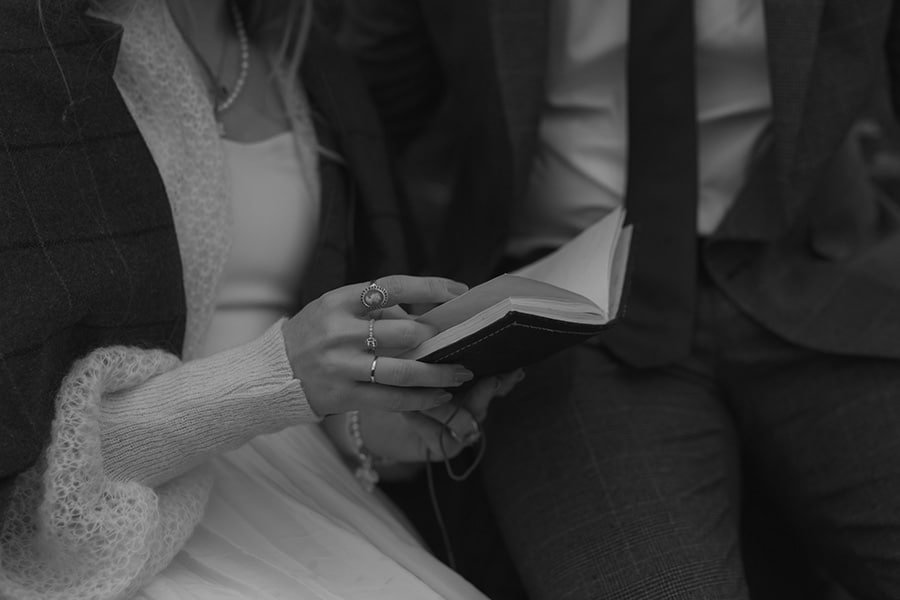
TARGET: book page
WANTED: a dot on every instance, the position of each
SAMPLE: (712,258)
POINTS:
(619,266)
(584,265)
(498,290)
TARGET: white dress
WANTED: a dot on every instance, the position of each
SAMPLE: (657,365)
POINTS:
(286,518)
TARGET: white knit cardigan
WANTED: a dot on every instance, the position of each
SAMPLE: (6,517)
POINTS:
(120,487)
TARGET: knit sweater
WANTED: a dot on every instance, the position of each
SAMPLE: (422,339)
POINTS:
(118,492)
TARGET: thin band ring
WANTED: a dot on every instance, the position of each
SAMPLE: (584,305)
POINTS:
(372,370)
(371,342)
(374,297)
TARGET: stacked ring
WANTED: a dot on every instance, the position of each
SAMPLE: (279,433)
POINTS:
(374,297)
(372,370)
(371,342)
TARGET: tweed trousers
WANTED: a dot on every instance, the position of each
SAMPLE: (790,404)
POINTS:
(620,483)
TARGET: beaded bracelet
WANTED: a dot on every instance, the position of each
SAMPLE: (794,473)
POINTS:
(365,471)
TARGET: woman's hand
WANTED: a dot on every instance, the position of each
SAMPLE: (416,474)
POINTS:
(430,435)
(326,346)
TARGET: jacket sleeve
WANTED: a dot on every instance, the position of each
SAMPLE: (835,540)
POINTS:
(391,43)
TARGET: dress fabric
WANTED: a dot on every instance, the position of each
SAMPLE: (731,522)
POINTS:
(286,518)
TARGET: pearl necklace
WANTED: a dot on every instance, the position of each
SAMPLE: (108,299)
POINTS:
(222,100)
(223,105)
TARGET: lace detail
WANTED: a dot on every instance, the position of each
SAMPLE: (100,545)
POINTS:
(72,533)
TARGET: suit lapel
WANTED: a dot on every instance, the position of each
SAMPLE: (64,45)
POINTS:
(519,30)
(356,179)
(328,267)
(792,29)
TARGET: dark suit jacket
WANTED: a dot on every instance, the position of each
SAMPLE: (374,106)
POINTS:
(811,248)
(88,253)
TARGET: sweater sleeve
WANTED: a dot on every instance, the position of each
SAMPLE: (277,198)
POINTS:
(175,420)
(115,496)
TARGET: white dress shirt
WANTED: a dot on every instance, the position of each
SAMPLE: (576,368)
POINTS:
(579,170)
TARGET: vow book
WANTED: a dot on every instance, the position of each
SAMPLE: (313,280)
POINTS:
(519,318)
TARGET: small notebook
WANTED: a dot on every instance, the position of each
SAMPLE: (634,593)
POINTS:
(519,318)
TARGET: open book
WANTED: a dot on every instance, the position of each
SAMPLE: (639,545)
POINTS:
(517,319)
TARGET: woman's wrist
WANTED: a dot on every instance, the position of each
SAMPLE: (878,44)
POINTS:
(338,429)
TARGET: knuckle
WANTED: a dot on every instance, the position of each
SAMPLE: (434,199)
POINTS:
(404,373)
(393,284)
(330,365)
(409,334)
(330,300)
(436,287)
(332,330)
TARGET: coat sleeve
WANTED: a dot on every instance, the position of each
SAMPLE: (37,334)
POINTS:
(391,42)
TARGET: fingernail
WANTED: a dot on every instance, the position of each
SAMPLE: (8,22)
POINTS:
(462,375)
(457,288)
(471,438)
(520,375)
(443,399)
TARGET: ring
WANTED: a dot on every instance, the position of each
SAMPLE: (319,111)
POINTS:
(371,342)
(374,297)
(372,370)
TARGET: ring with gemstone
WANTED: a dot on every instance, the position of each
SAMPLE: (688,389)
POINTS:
(374,297)
(371,342)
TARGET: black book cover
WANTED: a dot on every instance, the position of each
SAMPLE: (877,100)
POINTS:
(516,340)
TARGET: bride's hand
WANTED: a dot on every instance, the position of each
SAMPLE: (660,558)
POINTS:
(432,434)
(326,346)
